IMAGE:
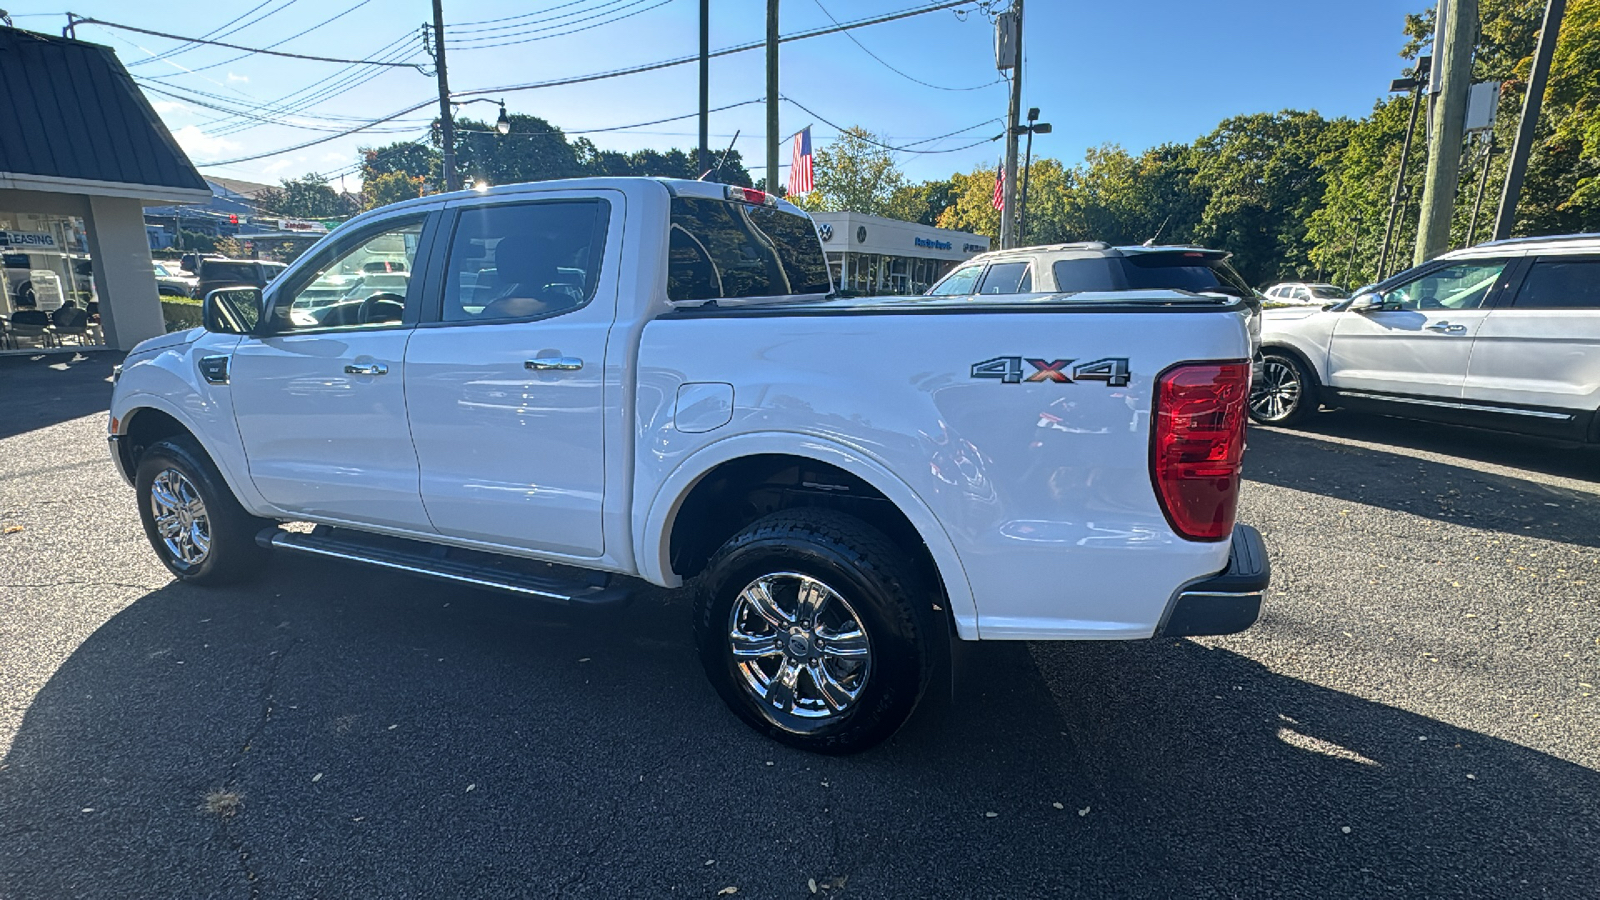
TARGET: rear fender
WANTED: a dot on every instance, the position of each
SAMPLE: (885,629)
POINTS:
(653,516)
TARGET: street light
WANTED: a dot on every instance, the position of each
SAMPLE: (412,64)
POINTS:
(1033,127)
(501,124)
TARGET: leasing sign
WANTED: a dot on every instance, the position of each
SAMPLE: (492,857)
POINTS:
(26,241)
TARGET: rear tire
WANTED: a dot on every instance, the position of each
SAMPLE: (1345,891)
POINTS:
(1287,393)
(197,527)
(809,625)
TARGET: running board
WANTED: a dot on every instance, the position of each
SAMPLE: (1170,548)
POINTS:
(576,587)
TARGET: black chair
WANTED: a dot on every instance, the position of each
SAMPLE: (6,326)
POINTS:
(5,333)
(33,324)
(71,321)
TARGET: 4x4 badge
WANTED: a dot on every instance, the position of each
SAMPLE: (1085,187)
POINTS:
(1113,370)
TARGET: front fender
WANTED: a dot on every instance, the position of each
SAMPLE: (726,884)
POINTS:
(654,516)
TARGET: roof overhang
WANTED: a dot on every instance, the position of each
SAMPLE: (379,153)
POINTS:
(53,184)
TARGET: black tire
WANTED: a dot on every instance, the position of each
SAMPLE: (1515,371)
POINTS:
(230,553)
(1287,392)
(870,585)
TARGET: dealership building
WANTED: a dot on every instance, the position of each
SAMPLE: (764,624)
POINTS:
(874,255)
(81,154)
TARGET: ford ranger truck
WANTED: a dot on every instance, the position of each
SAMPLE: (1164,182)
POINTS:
(566,389)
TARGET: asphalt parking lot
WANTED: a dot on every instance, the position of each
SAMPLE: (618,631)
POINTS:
(1415,715)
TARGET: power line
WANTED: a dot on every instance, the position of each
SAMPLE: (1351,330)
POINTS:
(727,51)
(906,148)
(863,47)
(286,40)
(219,31)
(468,45)
(615,73)
(591,11)
(161,34)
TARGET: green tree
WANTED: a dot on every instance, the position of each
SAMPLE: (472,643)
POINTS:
(409,158)
(534,150)
(307,197)
(392,187)
(854,173)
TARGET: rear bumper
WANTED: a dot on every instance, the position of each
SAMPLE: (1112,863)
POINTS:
(1225,603)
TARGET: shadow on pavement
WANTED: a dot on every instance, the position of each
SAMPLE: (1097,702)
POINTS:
(390,737)
(48,388)
(1391,479)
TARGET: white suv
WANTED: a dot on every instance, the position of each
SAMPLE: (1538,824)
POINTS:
(1504,335)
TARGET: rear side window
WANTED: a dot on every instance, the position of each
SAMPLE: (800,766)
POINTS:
(1007,278)
(1561,284)
(1095,273)
(220,270)
(723,250)
(521,261)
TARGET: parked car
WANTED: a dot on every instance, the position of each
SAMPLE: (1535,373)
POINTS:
(1095,266)
(1299,293)
(172,283)
(190,262)
(595,385)
(216,273)
(1504,335)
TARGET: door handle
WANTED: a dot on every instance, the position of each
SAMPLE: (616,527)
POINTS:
(1446,328)
(551,363)
(376,368)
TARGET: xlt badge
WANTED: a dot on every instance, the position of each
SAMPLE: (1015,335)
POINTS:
(1113,370)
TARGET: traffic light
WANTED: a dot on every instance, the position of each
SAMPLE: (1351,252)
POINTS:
(233,219)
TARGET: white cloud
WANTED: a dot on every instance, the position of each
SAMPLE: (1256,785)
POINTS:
(169,106)
(233,77)
(198,144)
(276,166)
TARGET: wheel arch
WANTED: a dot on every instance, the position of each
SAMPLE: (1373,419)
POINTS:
(735,466)
(143,419)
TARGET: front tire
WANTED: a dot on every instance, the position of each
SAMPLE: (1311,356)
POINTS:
(198,529)
(809,625)
(1287,392)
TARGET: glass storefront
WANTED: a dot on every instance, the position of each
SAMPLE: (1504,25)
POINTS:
(868,274)
(47,282)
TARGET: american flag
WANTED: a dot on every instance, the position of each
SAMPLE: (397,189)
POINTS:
(800,163)
(1000,187)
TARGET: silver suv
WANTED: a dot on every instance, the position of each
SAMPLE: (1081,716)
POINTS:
(1096,267)
(1504,335)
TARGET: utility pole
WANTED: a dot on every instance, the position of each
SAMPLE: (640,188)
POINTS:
(772,96)
(447,128)
(703,161)
(1531,102)
(1418,82)
(1033,127)
(1459,32)
(1008,213)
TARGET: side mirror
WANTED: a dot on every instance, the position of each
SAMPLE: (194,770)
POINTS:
(1365,303)
(232,310)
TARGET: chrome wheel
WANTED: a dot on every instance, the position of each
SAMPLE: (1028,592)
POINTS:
(798,646)
(180,517)
(1277,395)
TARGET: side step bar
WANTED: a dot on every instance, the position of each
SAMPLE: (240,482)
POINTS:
(434,561)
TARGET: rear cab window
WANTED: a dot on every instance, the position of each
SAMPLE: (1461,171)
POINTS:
(721,249)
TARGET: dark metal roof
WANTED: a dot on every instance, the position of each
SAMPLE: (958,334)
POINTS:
(72,111)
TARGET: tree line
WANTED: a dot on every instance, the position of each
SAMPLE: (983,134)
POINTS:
(1292,194)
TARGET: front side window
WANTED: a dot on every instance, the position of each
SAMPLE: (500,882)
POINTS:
(1461,286)
(343,293)
(961,281)
(1561,284)
(524,260)
(1007,278)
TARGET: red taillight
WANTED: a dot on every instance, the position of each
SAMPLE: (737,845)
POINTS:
(1197,444)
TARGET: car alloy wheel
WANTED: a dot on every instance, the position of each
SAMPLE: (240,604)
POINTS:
(798,646)
(181,519)
(1277,395)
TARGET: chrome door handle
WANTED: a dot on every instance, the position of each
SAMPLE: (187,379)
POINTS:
(1446,328)
(549,363)
(376,368)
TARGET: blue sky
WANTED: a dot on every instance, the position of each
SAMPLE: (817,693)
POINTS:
(1134,73)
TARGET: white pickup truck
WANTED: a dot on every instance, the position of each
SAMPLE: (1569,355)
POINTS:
(566,389)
